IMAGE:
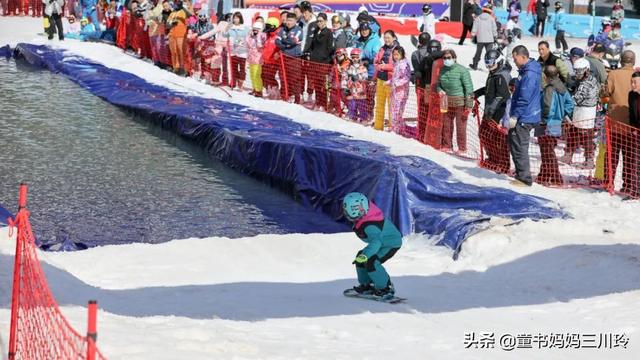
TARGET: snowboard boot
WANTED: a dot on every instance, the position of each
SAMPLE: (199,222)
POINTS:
(364,289)
(387,292)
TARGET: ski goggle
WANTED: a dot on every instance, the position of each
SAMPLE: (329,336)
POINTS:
(490,62)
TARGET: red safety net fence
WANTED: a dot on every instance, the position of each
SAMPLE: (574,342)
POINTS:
(38,329)
(22,7)
(622,160)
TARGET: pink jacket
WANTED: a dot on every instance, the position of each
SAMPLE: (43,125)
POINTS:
(255,46)
(374,214)
(388,66)
(401,74)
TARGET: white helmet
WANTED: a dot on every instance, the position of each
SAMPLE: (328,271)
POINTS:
(581,64)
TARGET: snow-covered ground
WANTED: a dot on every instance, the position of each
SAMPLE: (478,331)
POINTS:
(278,296)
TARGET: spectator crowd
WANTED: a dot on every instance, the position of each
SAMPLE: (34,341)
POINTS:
(361,72)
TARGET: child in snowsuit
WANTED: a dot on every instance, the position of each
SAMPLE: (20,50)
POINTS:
(356,77)
(339,83)
(255,45)
(399,89)
(383,241)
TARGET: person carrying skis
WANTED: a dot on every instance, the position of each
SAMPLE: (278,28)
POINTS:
(383,241)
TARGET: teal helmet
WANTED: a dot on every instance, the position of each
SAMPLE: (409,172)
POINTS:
(355,205)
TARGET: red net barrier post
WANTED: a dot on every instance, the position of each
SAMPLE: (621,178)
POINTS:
(15,295)
(92,329)
(623,147)
(338,87)
(38,329)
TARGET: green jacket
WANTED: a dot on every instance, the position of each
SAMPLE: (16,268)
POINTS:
(455,81)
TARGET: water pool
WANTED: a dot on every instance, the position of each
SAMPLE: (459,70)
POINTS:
(104,177)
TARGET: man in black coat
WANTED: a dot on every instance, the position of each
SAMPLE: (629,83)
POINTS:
(418,57)
(422,61)
(320,50)
(469,12)
(541,14)
(493,136)
(634,121)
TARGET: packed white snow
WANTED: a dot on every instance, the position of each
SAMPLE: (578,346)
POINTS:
(279,296)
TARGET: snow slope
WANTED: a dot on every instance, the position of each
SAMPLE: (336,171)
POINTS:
(278,296)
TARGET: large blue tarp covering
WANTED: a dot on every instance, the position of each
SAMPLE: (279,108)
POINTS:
(318,167)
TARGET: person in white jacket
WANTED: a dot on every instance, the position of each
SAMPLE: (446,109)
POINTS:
(53,14)
(486,31)
(428,21)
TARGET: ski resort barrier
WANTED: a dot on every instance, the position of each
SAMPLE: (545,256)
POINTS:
(38,329)
(576,26)
(318,167)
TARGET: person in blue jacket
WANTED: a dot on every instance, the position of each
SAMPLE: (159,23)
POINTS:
(87,31)
(525,112)
(557,104)
(289,41)
(90,11)
(558,26)
(369,42)
(383,241)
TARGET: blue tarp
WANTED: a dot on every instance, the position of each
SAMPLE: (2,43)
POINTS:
(4,215)
(5,51)
(317,167)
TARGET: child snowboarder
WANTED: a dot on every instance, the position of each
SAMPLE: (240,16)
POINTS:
(383,239)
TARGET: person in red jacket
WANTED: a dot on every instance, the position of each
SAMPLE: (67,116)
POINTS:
(271,58)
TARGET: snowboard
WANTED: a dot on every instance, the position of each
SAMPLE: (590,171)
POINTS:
(390,300)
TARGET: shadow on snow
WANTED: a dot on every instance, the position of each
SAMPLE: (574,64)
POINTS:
(555,275)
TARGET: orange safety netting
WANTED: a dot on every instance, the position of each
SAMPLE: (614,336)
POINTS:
(38,329)
(622,157)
